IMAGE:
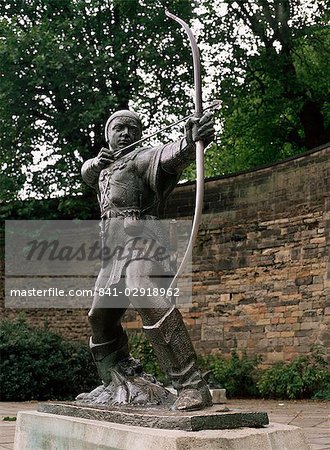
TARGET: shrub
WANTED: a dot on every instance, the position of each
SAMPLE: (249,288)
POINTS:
(322,394)
(237,374)
(38,364)
(304,377)
(141,349)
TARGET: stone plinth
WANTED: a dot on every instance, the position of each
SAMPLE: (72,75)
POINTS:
(212,418)
(42,431)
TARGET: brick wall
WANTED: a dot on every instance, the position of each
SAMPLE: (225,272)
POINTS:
(261,267)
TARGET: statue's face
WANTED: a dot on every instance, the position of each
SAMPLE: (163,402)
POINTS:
(123,131)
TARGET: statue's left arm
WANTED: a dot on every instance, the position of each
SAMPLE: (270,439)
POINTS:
(177,156)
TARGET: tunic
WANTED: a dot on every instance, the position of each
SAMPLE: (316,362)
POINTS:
(132,192)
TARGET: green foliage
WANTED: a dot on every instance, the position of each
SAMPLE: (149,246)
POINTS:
(141,349)
(323,393)
(61,208)
(236,374)
(304,377)
(38,364)
(66,65)
(271,70)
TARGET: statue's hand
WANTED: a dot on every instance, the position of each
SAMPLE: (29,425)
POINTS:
(103,159)
(200,129)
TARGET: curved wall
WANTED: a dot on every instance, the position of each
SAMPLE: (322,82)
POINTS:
(261,263)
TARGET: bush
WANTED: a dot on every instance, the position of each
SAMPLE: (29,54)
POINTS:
(238,375)
(304,377)
(322,394)
(38,364)
(141,349)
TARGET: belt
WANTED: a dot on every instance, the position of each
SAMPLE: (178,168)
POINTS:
(123,213)
(113,213)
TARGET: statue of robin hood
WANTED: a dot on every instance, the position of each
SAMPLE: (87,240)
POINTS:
(132,185)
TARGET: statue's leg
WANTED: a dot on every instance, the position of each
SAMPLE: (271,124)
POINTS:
(164,326)
(108,343)
(175,352)
(123,378)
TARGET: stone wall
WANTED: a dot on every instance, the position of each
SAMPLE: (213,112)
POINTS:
(261,267)
(261,263)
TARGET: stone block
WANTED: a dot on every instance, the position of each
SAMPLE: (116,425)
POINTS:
(309,326)
(225,298)
(263,322)
(219,396)
(212,418)
(211,332)
(41,431)
(275,357)
(287,334)
(304,280)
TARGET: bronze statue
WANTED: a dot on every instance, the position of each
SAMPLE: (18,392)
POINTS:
(134,187)
(133,184)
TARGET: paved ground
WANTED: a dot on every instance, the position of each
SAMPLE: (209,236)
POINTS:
(7,428)
(311,416)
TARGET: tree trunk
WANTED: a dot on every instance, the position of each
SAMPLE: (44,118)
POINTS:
(312,121)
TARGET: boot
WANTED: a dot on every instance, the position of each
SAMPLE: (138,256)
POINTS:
(107,355)
(123,378)
(176,355)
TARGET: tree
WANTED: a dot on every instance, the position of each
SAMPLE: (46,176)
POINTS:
(65,66)
(269,63)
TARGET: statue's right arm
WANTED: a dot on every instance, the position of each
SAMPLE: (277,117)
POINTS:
(90,173)
(91,168)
